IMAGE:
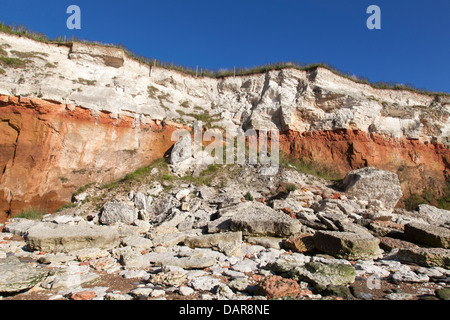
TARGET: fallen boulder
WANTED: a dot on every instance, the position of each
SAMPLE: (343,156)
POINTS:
(435,215)
(427,234)
(323,274)
(259,219)
(16,276)
(229,242)
(115,211)
(52,237)
(347,245)
(371,184)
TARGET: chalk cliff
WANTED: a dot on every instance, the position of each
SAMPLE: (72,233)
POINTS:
(78,113)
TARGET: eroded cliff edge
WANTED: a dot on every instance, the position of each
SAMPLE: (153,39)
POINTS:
(72,114)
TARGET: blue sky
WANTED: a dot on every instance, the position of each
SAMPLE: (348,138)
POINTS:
(413,45)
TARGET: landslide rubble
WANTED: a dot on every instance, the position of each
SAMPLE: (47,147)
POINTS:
(179,239)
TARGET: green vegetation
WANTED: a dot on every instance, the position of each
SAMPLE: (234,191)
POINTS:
(85,82)
(32,214)
(30,54)
(206,119)
(185,104)
(222,73)
(248,196)
(413,201)
(83,188)
(3,52)
(13,62)
(67,206)
(51,65)
(151,90)
(2,71)
(291,187)
(309,167)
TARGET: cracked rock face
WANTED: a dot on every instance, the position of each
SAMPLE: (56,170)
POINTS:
(84,112)
(16,276)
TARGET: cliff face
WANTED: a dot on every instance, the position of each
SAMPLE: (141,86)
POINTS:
(70,115)
(48,150)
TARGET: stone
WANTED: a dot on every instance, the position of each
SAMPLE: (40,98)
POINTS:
(162,205)
(225,291)
(52,237)
(183,193)
(59,257)
(181,151)
(83,295)
(408,276)
(171,278)
(89,253)
(229,242)
(373,184)
(115,211)
(427,234)
(74,280)
(157,293)
(63,219)
(117,296)
(140,274)
(259,219)
(137,242)
(435,215)
(246,265)
(347,245)
(103,264)
(443,293)
(408,252)
(204,283)
(399,296)
(186,291)
(277,287)
(16,276)
(267,242)
(300,242)
(142,292)
(324,274)
(173,219)
(288,262)
(221,224)
(337,291)
(19,227)
(141,202)
(239,284)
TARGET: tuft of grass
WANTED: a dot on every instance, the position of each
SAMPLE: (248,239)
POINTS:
(32,214)
(13,62)
(185,104)
(291,187)
(3,52)
(29,54)
(206,119)
(2,71)
(309,167)
(152,91)
(414,200)
(67,206)
(248,196)
(83,188)
(85,82)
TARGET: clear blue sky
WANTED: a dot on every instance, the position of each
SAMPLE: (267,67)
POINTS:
(413,45)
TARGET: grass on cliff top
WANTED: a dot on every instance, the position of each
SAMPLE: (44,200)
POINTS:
(23,31)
